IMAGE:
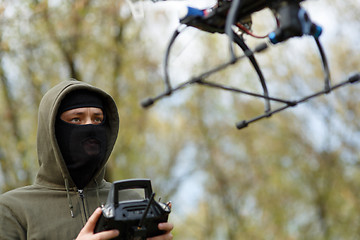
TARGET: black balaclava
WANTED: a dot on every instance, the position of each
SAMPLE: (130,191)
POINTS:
(83,147)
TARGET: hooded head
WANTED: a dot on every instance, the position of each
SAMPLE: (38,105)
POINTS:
(80,130)
(69,152)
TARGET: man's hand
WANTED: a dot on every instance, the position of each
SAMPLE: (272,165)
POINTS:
(87,233)
(167,227)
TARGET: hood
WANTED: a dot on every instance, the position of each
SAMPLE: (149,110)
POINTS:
(53,172)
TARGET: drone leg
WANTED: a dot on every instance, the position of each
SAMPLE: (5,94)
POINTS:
(327,87)
(168,88)
(351,80)
(239,41)
(166,60)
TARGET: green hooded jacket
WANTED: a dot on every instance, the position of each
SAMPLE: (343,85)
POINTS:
(53,208)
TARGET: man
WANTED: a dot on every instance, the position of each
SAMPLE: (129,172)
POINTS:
(77,129)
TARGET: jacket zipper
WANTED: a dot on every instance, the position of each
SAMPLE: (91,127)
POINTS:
(81,194)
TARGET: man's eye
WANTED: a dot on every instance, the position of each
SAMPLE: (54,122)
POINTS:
(98,120)
(75,120)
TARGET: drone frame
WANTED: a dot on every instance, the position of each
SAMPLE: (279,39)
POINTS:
(250,54)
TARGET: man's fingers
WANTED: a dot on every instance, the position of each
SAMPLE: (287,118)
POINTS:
(166,236)
(88,230)
(107,234)
(166,226)
(91,223)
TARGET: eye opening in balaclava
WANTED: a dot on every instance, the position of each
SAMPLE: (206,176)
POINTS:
(83,147)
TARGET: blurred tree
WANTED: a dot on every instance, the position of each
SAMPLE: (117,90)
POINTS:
(289,177)
(292,176)
(46,41)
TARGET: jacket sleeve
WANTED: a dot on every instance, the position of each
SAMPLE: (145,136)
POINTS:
(10,227)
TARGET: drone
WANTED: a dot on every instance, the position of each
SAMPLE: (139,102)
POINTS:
(233,18)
